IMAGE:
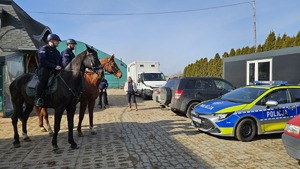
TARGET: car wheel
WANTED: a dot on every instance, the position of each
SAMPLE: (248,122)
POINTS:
(246,130)
(190,108)
(165,95)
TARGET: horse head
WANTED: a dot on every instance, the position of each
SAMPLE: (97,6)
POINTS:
(92,62)
(111,67)
(87,60)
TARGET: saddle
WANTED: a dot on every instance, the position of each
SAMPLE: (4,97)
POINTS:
(51,87)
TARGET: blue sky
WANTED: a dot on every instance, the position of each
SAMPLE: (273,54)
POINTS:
(173,39)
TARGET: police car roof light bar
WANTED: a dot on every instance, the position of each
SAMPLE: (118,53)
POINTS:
(270,82)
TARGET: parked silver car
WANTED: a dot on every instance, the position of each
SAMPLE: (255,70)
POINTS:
(156,95)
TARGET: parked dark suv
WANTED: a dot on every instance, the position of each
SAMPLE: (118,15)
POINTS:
(183,94)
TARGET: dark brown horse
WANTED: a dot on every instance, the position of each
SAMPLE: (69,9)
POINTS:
(88,97)
(64,98)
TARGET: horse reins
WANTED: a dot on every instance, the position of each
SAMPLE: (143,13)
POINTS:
(93,68)
(70,89)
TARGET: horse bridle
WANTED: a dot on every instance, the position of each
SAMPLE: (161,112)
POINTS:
(93,67)
(114,69)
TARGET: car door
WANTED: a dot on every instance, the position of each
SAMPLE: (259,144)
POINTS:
(205,89)
(222,86)
(295,97)
(275,117)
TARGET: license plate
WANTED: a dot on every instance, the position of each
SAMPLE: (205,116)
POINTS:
(196,120)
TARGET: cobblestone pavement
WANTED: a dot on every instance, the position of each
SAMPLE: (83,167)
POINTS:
(148,138)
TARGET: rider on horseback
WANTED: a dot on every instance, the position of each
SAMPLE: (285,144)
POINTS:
(67,54)
(49,60)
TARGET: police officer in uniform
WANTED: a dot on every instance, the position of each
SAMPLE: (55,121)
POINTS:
(103,93)
(49,60)
(67,54)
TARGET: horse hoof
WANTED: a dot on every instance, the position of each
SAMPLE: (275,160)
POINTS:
(51,134)
(27,139)
(79,134)
(56,150)
(74,146)
(43,129)
(93,133)
(17,145)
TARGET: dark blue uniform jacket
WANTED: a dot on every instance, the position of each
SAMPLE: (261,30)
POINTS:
(67,56)
(103,84)
(49,57)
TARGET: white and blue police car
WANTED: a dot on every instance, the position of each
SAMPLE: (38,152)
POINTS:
(262,108)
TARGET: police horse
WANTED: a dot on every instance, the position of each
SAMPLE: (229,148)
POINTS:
(91,92)
(65,97)
(88,96)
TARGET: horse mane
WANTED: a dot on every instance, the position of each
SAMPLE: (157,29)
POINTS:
(74,64)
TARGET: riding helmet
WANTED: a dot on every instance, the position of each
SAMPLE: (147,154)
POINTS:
(71,41)
(53,36)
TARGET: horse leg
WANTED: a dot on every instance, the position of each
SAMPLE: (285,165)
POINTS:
(82,108)
(57,119)
(91,117)
(37,111)
(70,117)
(24,118)
(46,117)
(14,119)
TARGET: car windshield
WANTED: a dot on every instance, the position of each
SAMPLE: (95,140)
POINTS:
(243,94)
(154,77)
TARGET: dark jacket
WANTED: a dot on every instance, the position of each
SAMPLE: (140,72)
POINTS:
(67,56)
(103,84)
(49,57)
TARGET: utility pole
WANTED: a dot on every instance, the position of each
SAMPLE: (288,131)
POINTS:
(253,4)
(254,17)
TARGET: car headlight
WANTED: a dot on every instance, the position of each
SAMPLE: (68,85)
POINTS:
(290,128)
(224,115)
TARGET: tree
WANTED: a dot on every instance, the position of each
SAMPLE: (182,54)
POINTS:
(225,55)
(297,40)
(214,66)
(238,52)
(278,43)
(232,52)
(270,42)
(259,48)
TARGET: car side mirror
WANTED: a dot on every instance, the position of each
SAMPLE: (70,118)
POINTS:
(271,103)
(139,80)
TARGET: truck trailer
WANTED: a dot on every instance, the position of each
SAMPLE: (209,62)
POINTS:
(147,76)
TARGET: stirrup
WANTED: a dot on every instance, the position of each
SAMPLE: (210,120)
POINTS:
(39,102)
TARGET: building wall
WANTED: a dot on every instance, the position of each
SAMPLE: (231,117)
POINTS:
(285,66)
(112,80)
(235,73)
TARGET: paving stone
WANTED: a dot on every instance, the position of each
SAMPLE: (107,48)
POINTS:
(148,138)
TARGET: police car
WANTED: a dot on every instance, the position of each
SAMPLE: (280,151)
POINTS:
(262,108)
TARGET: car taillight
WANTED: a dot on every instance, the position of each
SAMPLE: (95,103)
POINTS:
(178,93)
(292,130)
(158,92)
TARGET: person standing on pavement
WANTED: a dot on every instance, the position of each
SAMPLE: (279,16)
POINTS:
(130,89)
(102,93)
(67,54)
(49,61)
